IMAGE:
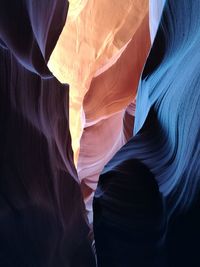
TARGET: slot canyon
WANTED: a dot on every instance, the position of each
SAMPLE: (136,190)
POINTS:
(99,133)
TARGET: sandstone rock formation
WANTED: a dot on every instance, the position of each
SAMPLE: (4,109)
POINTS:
(146,206)
(130,114)
(42,214)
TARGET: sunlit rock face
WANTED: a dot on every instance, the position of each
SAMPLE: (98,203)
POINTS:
(96,33)
(146,206)
(101,53)
(105,103)
(42,215)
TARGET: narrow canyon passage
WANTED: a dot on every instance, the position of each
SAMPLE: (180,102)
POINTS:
(99,135)
(102,63)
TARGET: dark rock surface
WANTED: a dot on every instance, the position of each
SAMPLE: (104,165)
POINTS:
(42,215)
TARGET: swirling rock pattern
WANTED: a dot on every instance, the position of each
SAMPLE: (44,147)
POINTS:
(146,207)
(101,53)
(93,39)
(42,214)
(112,89)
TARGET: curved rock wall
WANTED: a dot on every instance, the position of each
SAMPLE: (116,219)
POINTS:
(42,214)
(146,206)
